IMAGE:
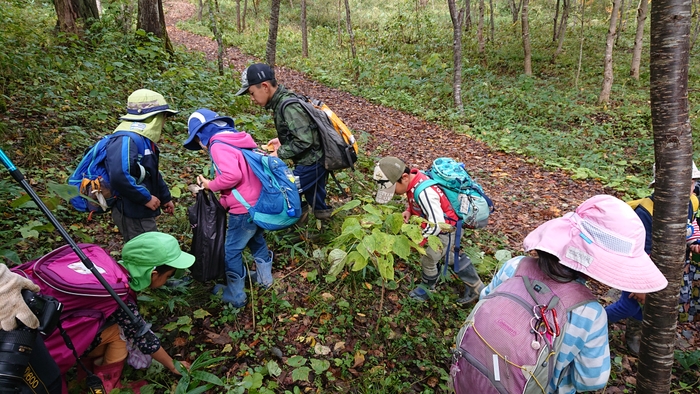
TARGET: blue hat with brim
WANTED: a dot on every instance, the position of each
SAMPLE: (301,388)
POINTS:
(204,123)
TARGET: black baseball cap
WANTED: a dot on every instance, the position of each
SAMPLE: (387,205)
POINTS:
(255,74)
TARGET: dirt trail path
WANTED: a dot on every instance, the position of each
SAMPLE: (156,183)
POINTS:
(525,195)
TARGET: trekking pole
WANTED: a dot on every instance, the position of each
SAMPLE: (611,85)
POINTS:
(142,326)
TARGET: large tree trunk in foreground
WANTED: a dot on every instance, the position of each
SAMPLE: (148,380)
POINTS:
(670,31)
(271,51)
(608,60)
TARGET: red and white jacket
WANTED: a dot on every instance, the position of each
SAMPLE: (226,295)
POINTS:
(432,205)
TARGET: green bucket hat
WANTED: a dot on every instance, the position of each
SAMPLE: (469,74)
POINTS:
(144,103)
(149,250)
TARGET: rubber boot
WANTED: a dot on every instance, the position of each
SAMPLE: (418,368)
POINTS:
(109,374)
(467,273)
(263,272)
(234,290)
(422,292)
(633,335)
(323,214)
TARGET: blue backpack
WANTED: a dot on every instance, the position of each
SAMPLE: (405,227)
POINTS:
(90,178)
(279,204)
(466,196)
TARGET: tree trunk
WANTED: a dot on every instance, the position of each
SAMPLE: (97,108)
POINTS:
(457,17)
(583,36)
(245,12)
(199,10)
(515,9)
(86,9)
(639,38)
(65,16)
(151,19)
(695,27)
(556,19)
(340,24)
(304,33)
(271,51)
(491,21)
(348,26)
(467,15)
(526,38)
(608,60)
(239,28)
(670,32)
(217,35)
(620,21)
(480,27)
(562,29)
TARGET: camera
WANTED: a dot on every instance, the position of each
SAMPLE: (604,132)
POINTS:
(16,345)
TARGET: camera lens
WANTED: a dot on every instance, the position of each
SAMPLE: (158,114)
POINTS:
(15,351)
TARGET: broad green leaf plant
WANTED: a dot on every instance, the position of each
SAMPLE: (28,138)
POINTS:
(375,235)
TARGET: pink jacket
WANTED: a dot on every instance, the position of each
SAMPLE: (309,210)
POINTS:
(232,171)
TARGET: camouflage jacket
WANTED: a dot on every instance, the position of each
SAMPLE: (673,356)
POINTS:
(297,133)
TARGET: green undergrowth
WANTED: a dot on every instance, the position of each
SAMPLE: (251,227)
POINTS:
(404,61)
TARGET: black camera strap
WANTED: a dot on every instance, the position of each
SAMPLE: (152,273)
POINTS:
(94,383)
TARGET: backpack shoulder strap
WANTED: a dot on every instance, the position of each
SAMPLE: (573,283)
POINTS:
(418,189)
(234,192)
(695,202)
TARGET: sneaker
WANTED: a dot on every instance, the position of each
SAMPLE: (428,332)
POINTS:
(323,214)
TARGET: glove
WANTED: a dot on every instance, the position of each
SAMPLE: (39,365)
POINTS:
(13,306)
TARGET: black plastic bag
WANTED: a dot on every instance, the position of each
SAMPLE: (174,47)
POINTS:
(208,220)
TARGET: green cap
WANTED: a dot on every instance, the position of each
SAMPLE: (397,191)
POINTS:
(144,103)
(149,250)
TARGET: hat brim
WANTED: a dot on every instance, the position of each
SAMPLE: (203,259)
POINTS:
(184,260)
(561,238)
(385,194)
(136,118)
(242,91)
(191,144)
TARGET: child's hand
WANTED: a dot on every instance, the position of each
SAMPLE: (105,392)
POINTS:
(640,297)
(406,216)
(274,144)
(202,181)
(169,207)
(153,204)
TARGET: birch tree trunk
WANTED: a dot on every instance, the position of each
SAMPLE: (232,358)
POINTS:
(218,37)
(526,38)
(608,60)
(304,32)
(639,38)
(583,36)
(556,19)
(457,16)
(670,31)
(271,50)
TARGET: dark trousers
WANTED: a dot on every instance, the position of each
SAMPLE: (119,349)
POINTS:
(313,181)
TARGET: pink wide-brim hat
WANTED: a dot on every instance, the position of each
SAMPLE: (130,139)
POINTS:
(603,239)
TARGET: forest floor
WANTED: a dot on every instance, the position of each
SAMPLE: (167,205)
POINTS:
(525,194)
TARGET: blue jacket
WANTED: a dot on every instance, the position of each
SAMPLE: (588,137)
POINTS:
(124,155)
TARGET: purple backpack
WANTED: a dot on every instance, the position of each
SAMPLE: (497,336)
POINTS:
(510,341)
(86,303)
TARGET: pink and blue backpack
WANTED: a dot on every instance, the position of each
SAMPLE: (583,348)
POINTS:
(86,303)
(510,341)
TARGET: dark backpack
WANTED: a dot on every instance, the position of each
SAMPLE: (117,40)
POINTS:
(339,145)
(497,351)
(90,178)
